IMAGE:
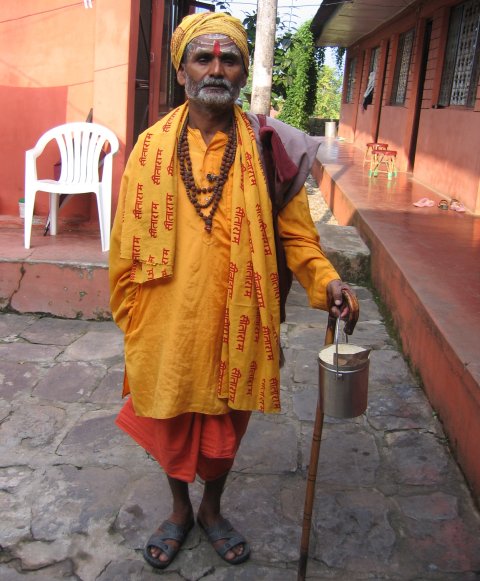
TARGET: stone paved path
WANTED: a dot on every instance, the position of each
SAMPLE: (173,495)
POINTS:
(78,498)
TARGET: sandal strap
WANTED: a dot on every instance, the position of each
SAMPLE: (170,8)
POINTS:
(228,545)
(224,531)
(169,531)
(158,542)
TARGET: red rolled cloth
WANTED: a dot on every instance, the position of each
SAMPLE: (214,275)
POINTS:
(190,443)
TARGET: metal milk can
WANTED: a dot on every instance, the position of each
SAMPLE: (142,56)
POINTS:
(343,378)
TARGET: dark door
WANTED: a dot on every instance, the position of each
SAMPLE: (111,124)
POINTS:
(156,89)
(418,100)
(142,75)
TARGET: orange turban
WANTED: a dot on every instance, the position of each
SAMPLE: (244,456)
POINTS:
(208,23)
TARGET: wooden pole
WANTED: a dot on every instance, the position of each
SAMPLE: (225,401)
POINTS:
(310,493)
(353,313)
(312,470)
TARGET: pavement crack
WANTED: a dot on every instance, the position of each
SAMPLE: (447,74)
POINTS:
(7,417)
(208,572)
(19,284)
(102,571)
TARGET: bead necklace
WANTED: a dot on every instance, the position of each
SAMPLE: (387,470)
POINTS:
(215,190)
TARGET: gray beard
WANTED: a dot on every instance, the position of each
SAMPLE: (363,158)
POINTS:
(197,92)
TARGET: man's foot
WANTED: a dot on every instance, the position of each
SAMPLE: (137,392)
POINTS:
(227,542)
(163,546)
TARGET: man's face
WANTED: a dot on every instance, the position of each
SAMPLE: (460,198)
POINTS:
(212,71)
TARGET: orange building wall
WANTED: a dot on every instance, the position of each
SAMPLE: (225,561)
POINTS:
(392,131)
(346,128)
(446,155)
(448,150)
(58,61)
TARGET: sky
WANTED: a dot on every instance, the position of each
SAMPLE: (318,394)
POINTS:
(292,12)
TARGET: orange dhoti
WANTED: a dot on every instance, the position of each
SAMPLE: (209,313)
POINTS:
(190,443)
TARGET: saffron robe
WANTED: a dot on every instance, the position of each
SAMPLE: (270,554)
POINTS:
(173,328)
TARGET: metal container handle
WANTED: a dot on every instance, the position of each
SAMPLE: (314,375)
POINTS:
(337,333)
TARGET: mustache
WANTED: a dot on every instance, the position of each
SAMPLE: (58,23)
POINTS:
(213,82)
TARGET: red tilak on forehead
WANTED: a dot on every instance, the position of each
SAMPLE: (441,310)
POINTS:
(217,51)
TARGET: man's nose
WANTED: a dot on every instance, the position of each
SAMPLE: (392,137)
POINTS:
(217,67)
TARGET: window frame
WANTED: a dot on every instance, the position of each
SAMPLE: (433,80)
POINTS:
(454,58)
(350,82)
(401,74)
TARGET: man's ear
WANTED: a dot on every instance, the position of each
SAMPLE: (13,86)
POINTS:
(181,76)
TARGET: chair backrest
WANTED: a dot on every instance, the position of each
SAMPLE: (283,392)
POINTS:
(80,145)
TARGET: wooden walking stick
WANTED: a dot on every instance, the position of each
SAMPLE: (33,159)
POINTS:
(350,323)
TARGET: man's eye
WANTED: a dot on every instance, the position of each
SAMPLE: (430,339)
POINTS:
(230,61)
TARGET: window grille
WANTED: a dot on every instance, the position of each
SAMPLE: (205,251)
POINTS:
(351,81)
(402,66)
(462,55)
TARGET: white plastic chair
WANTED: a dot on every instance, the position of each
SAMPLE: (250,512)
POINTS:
(80,146)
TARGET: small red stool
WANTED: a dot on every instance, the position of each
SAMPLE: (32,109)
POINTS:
(369,151)
(383,161)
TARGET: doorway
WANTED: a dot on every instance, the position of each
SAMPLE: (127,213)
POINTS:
(418,101)
(156,89)
(142,72)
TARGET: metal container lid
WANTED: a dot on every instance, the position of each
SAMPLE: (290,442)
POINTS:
(327,353)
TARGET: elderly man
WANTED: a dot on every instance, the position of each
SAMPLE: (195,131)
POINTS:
(196,259)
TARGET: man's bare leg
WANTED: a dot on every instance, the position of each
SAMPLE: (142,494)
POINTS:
(209,510)
(182,512)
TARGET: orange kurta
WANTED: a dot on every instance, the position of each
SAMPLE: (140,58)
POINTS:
(173,327)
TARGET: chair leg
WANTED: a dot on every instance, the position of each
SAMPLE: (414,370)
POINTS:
(391,168)
(54,199)
(28,220)
(104,219)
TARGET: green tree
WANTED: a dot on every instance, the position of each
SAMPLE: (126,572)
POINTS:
(286,70)
(301,90)
(329,93)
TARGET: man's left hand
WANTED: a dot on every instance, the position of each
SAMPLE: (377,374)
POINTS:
(338,306)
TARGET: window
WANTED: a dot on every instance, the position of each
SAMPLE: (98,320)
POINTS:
(461,65)
(374,59)
(350,81)
(372,73)
(402,66)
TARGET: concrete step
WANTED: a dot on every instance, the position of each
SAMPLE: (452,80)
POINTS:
(64,275)
(67,275)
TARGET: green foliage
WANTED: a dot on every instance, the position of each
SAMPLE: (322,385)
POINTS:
(320,56)
(301,89)
(329,93)
(339,54)
(297,64)
(223,6)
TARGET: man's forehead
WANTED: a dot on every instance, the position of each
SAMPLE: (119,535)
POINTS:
(217,43)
